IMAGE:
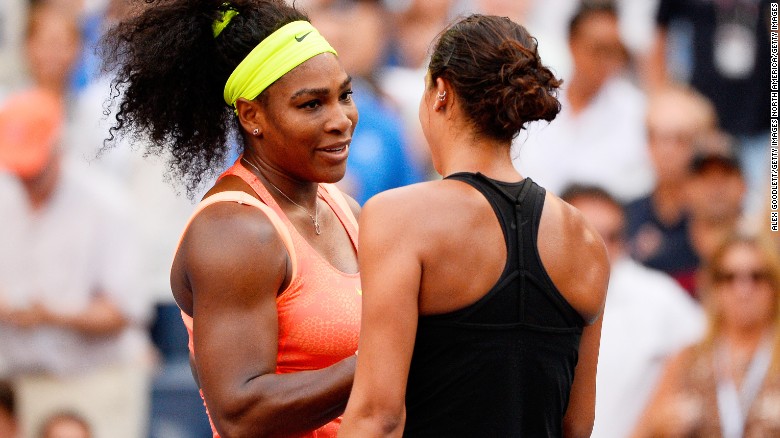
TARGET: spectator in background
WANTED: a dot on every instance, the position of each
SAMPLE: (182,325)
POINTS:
(52,45)
(8,423)
(657,224)
(415,23)
(648,317)
(726,44)
(65,425)
(71,317)
(516,10)
(715,194)
(728,385)
(598,138)
(12,19)
(379,158)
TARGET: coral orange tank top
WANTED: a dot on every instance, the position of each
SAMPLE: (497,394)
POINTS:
(319,312)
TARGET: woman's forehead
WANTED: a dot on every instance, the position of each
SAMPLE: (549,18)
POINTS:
(322,72)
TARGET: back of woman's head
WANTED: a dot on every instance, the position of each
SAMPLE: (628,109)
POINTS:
(493,65)
(171,71)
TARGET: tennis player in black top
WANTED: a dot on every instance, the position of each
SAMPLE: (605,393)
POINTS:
(482,293)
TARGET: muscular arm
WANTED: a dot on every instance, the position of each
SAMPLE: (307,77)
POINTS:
(235,266)
(390,273)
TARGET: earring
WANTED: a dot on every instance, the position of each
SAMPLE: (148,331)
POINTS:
(255,132)
(441,96)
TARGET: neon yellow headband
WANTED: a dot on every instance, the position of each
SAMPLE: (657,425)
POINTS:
(282,51)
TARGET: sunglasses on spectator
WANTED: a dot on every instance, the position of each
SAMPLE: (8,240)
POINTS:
(754,276)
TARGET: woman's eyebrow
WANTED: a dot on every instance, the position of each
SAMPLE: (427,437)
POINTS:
(320,91)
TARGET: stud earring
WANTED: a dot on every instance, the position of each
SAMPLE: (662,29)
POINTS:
(255,132)
(441,96)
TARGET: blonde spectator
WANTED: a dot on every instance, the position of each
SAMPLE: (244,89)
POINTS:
(729,384)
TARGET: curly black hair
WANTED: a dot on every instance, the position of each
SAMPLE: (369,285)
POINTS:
(494,66)
(170,72)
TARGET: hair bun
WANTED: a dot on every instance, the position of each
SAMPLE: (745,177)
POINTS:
(502,86)
(527,90)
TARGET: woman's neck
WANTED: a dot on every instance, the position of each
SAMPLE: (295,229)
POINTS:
(745,338)
(491,158)
(742,344)
(299,192)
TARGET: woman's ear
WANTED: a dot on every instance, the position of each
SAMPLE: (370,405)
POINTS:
(443,95)
(251,116)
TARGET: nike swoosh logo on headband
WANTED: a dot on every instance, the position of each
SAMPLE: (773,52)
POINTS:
(299,39)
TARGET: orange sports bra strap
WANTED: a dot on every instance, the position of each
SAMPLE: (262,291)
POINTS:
(332,195)
(239,170)
(343,210)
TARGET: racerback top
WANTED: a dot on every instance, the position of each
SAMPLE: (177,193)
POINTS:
(503,366)
(319,311)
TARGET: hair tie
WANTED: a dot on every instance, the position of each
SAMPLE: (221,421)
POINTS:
(221,23)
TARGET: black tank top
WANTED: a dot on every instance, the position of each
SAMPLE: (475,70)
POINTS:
(503,366)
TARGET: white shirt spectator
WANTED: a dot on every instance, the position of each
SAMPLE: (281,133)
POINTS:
(13,19)
(647,318)
(79,244)
(604,145)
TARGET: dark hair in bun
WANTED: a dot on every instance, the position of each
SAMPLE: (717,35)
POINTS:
(494,66)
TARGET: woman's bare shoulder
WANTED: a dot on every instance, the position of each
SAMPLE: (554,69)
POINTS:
(574,256)
(226,241)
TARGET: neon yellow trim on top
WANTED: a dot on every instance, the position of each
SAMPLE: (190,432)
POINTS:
(282,51)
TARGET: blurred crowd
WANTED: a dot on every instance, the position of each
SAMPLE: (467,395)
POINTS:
(662,143)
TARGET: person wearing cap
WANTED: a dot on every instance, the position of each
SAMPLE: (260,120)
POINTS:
(657,224)
(71,318)
(715,194)
(266,272)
